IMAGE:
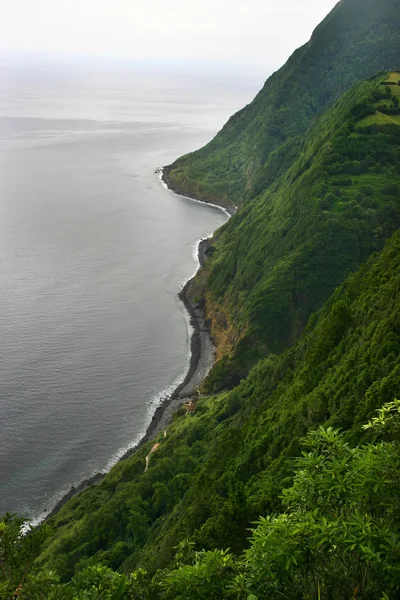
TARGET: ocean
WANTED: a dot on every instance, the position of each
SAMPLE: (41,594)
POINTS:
(93,251)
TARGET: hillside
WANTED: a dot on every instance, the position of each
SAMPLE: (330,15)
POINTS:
(278,259)
(355,41)
(219,469)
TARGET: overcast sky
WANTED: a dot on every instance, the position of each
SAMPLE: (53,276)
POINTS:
(263,32)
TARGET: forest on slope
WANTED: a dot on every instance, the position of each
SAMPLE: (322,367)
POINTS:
(302,288)
(221,468)
(280,257)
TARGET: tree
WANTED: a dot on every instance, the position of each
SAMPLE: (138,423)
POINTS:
(340,535)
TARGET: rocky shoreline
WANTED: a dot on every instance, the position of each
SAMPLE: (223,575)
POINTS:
(202,355)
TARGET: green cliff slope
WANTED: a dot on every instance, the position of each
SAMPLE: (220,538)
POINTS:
(220,468)
(356,40)
(281,256)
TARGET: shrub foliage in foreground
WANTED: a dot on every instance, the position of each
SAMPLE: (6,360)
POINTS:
(337,539)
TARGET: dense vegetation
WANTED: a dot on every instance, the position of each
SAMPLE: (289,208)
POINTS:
(337,537)
(219,469)
(284,481)
(282,255)
(356,40)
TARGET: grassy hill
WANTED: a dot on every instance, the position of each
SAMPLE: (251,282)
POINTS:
(356,40)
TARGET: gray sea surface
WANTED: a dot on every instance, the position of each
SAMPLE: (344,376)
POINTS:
(93,250)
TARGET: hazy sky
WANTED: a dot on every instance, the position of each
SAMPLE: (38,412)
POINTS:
(246,31)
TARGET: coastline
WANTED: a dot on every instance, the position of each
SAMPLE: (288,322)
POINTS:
(202,356)
(164,172)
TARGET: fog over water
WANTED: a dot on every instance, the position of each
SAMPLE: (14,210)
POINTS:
(93,251)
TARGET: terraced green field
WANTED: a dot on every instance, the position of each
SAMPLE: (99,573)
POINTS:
(380,119)
(394,76)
